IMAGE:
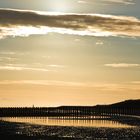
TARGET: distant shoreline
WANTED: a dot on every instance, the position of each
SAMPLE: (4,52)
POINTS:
(129,107)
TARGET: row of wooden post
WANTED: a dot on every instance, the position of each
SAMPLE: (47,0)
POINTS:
(68,111)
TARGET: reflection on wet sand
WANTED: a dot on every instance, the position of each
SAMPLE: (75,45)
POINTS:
(70,128)
(67,121)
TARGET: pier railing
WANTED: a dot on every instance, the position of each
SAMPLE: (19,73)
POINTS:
(73,111)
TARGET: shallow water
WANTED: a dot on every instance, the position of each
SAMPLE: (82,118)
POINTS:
(66,122)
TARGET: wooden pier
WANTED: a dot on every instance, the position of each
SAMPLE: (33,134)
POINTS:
(73,111)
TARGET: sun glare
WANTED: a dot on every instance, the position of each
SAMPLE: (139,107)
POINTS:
(58,6)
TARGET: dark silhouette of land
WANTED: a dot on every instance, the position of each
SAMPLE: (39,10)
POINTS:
(126,112)
(128,104)
(128,107)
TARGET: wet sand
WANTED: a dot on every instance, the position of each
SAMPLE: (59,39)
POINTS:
(14,131)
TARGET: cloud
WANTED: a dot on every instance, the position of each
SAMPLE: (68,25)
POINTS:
(7,53)
(101,86)
(11,53)
(82,1)
(31,67)
(122,65)
(7,59)
(122,2)
(42,82)
(126,2)
(24,23)
(99,42)
(56,66)
(59,83)
(135,82)
(16,68)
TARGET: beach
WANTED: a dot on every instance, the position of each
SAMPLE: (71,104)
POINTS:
(11,130)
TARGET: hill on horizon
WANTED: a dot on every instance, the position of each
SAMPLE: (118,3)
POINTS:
(127,104)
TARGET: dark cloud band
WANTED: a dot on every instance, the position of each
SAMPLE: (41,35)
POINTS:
(13,23)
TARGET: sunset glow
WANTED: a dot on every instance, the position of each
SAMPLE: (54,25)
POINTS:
(69,52)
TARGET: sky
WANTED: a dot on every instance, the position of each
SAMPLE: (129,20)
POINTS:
(69,52)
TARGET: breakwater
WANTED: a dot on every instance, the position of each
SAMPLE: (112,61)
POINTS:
(63,111)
